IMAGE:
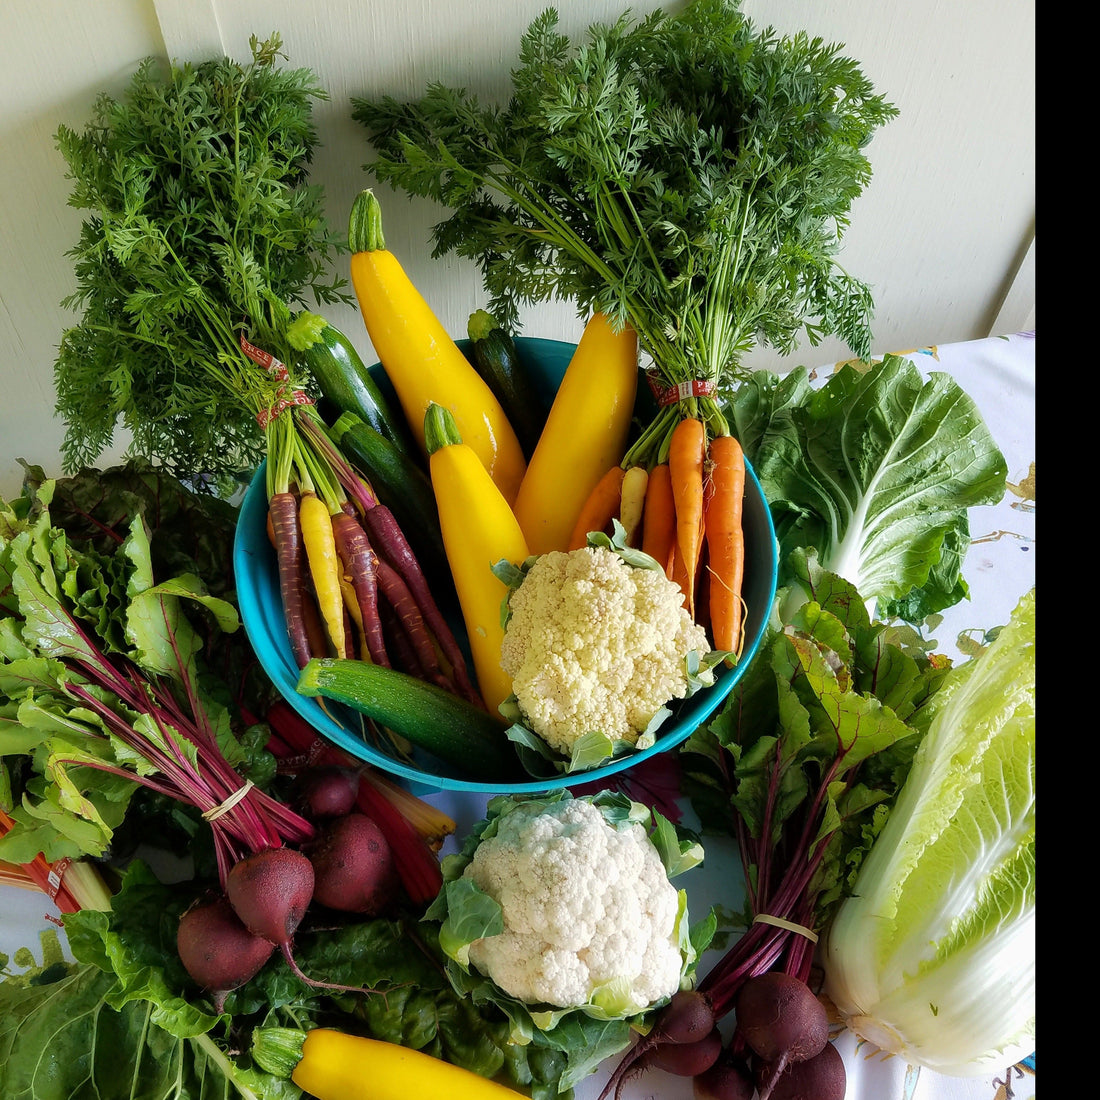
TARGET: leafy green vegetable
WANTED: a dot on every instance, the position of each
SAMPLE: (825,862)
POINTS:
(932,956)
(200,219)
(802,765)
(876,470)
(416,1005)
(685,174)
(60,1039)
(102,675)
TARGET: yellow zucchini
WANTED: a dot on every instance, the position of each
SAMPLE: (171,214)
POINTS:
(419,357)
(332,1065)
(479,529)
(584,436)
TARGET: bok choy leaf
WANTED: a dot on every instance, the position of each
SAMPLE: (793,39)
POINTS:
(876,469)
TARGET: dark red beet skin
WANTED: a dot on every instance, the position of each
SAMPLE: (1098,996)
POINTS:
(328,791)
(728,1079)
(778,1015)
(217,950)
(353,865)
(270,891)
(821,1077)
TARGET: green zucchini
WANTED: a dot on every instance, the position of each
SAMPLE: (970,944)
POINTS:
(331,358)
(402,486)
(496,360)
(462,735)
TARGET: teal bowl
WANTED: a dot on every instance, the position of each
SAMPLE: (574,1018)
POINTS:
(260,605)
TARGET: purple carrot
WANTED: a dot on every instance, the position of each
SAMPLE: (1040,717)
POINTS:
(393,587)
(290,553)
(394,548)
(360,562)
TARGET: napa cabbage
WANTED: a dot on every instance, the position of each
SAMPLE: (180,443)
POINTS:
(932,956)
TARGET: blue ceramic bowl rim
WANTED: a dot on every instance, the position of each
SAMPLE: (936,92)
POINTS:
(273,652)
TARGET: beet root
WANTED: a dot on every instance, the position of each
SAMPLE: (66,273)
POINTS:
(686,1059)
(327,791)
(728,1079)
(354,867)
(270,891)
(821,1077)
(217,950)
(779,1017)
(687,1019)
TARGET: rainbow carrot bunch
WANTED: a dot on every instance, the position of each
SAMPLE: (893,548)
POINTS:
(351,585)
(686,512)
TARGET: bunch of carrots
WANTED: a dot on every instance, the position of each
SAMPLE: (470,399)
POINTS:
(685,512)
(351,585)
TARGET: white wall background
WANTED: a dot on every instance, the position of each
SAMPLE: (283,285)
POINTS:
(944,234)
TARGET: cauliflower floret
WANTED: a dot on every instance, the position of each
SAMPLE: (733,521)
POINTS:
(596,644)
(584,904)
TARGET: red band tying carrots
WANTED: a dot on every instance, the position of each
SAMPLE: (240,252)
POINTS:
(669,395)
(265,359)
(297,397)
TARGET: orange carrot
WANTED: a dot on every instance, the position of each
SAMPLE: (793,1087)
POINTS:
(725,540)
(659,515)
(687,451)
(600,508)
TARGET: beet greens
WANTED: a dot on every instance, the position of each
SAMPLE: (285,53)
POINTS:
(801,766)
(108,670)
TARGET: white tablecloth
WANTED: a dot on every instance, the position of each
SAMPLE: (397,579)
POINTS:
(999,374)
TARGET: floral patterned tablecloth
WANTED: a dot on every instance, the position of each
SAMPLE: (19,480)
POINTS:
(999,374)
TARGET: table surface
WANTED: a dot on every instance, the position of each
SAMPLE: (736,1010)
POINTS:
(999,374)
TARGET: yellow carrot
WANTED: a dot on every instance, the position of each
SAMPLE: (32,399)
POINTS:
(324,566)
(632,502)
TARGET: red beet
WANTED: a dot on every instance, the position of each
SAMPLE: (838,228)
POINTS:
(217,950)
(821,1077)
(270,891)
(688,1018)
(328,791)
(353,865)
(778,1016)
(728,1079)
(685,1059)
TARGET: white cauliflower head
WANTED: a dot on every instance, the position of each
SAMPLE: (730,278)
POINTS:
(596,644)
(590,915)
